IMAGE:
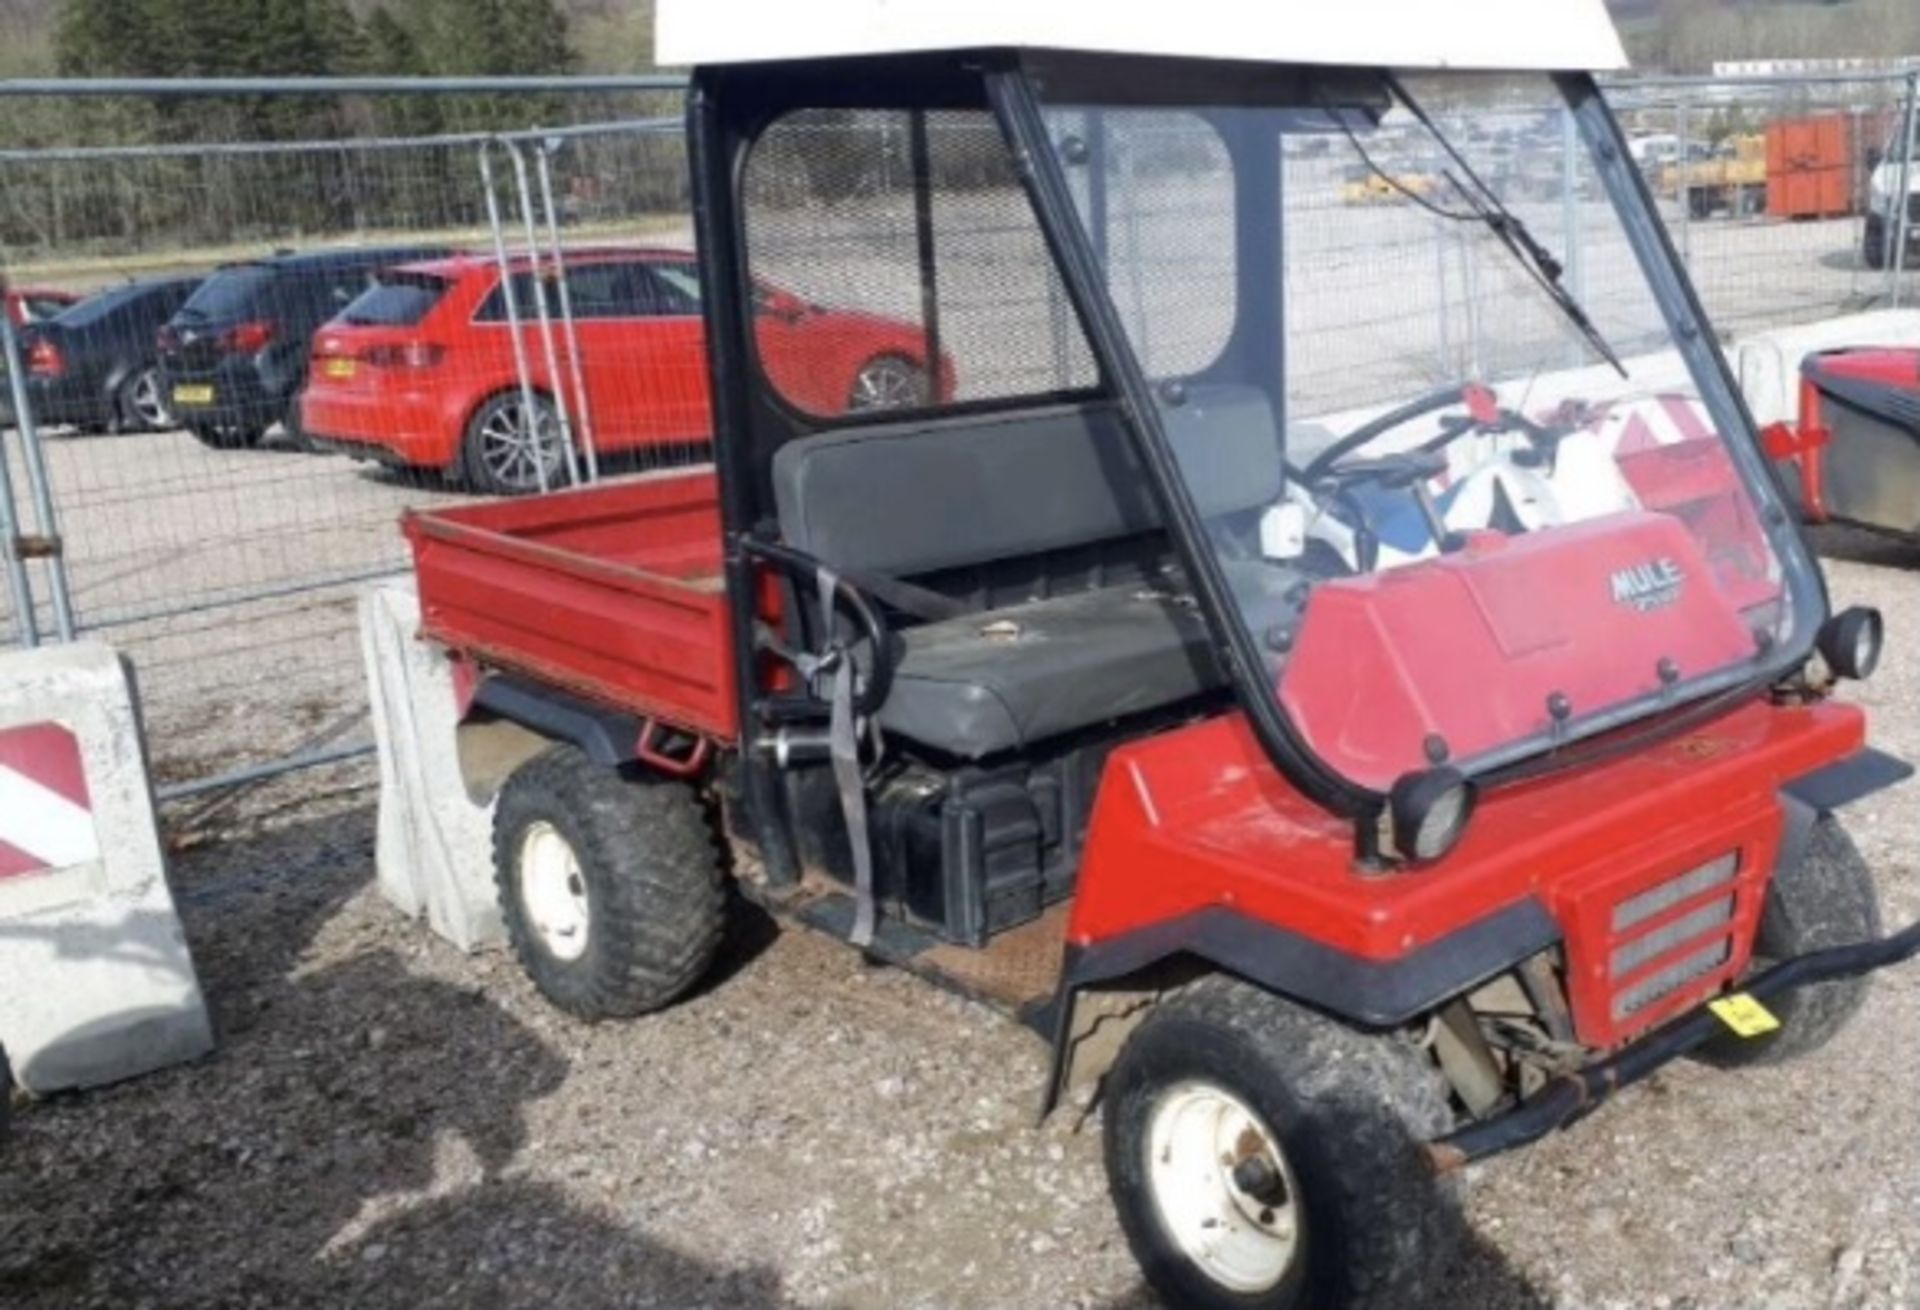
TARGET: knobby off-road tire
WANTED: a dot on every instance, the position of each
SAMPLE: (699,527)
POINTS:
(1347,1111)
(645,874)
(1826,899)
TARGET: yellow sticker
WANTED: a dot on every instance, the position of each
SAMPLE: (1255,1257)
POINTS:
(1746,1016)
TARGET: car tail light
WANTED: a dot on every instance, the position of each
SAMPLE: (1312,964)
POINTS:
(44,359)
(247,338)
(167,339)
(415,354)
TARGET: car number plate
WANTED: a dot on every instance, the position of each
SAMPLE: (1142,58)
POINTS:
(342,368)
(193,395)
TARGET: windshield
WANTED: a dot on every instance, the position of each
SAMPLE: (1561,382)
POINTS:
(1468,497)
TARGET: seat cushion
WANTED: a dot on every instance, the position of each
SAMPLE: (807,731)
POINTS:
(986,683)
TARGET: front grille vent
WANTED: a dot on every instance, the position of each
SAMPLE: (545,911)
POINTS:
(1708,927)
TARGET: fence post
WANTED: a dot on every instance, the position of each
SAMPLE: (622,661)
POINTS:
(19,587)
(543,310)
(46,519)
(1683,129)
(556,251)
(1903,203)
(521,363)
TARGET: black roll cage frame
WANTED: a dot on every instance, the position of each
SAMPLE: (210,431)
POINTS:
(730,106)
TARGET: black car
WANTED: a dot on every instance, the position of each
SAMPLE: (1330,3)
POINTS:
(93,366)
(234,358)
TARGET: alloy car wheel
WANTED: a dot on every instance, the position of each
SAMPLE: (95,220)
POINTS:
(888,382)
(147,402)
(507,453)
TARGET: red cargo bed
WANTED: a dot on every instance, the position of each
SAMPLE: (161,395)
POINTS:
(612,592)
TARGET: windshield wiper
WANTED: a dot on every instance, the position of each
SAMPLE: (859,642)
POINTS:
(1485,206)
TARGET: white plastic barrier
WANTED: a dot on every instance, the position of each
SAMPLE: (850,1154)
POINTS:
(96,983)
(1768,363)
(435,845)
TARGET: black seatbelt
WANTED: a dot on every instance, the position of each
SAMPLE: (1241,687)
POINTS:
(923,603)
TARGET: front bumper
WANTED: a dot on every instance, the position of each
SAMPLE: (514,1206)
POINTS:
(1573,1096)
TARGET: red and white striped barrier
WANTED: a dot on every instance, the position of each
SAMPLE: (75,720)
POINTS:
(46,816)
(96,983)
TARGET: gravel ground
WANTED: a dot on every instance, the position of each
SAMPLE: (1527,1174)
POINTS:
(389,1123)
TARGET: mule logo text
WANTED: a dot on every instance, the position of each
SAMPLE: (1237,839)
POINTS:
(1649,586)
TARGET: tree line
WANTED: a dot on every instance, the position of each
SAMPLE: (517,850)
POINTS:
(156,194)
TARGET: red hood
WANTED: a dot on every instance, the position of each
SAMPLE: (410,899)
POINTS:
(1472,647)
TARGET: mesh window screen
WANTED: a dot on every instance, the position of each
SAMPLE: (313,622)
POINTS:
(1163,223)
(834,218)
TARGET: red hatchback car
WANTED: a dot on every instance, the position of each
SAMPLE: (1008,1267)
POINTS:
(419,372)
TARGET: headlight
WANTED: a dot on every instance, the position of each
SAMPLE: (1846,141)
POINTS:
(1851,642)
(1430,812)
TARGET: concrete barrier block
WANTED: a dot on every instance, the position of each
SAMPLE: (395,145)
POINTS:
(435,845)
(96,981)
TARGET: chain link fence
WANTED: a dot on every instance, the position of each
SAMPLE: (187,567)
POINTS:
(284,341)
(311,306)
(1782,193)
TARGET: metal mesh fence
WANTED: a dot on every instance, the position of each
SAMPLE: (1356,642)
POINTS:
(832,218)
(283,344)
(1779,193)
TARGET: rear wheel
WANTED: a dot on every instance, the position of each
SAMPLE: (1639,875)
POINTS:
(227,436)
(1873,245)
(140,405)
(294,432)
(507,446)
(888,382)
(1262,1157)
(610,888)
(1826,899)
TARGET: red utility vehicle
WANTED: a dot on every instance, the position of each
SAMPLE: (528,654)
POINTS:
(1360,748)
(421,370)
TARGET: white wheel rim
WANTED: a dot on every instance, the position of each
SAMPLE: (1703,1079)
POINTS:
(1198,1139)
(553,892)
(886,384)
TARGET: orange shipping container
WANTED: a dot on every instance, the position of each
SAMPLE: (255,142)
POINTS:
(1810,167)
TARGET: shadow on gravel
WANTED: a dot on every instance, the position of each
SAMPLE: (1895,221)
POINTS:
(1859,546)
(1479,1279)
(355,1141)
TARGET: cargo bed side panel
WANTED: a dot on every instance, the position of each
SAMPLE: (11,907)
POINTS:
(613,592)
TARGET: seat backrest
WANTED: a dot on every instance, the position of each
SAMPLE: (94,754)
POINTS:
(908,499)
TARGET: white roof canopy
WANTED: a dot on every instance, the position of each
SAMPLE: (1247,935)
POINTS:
(1564,35)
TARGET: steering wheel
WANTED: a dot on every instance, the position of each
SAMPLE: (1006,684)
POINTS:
(1484,415)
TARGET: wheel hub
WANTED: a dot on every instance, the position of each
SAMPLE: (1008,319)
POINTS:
(1223,1188)
(553,891)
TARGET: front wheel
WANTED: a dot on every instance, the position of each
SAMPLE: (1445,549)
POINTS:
(1262,1157)
(1827,898)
